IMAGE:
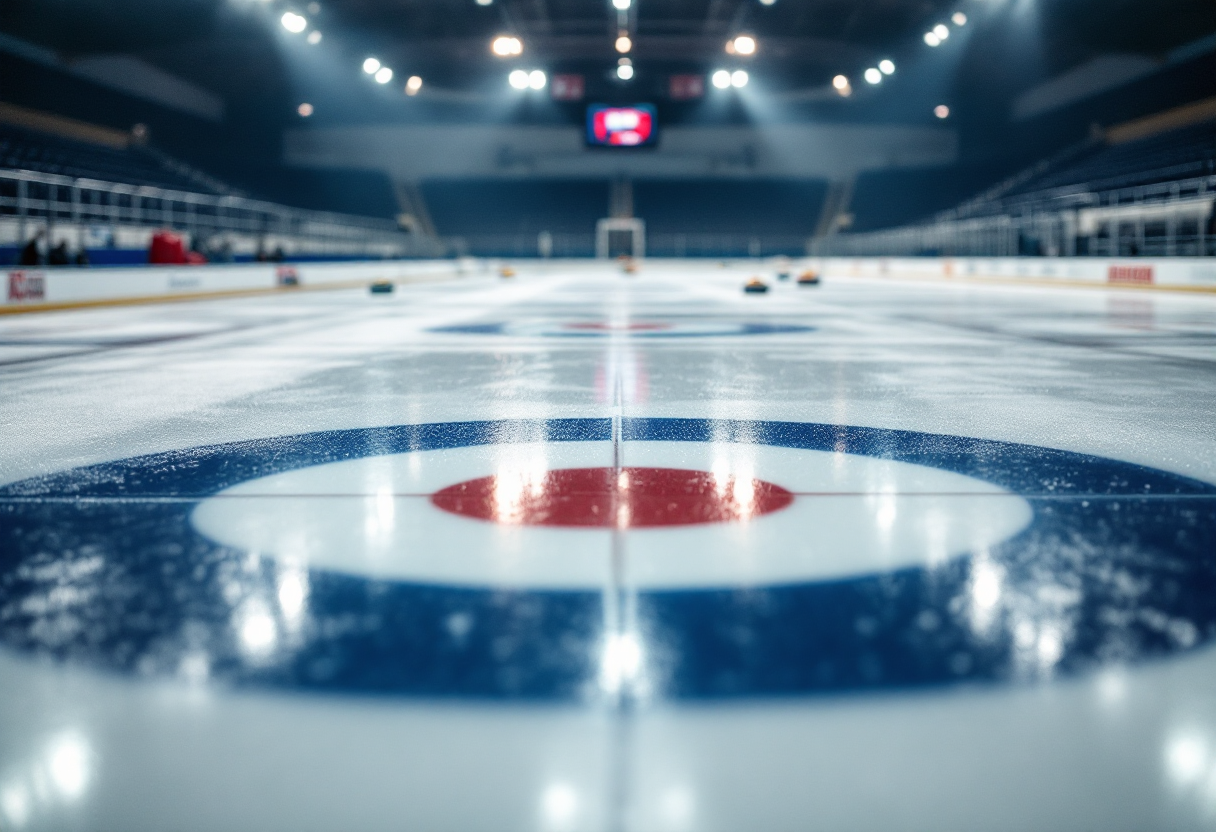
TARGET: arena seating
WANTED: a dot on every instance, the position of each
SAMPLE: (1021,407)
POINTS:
(784,207)
(890,198)
(44,153)
(1177,154)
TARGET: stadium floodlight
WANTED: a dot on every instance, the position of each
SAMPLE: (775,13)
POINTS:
(623,43)
(504,46)
(371,66)
(941,111)
(518,79)
(932,39)
(537,79)
(739,79)
(743,45)
(413,84)
(383,75)
(959,19)
(305,110)
(767,2)
(622,5)
(314,37)
(484,2)
(624,72)
(294,23)
(873,76)
(720,79)
(840,82)
(886,67)
(942,31)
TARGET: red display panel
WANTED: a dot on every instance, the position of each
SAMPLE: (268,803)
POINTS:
(632,126)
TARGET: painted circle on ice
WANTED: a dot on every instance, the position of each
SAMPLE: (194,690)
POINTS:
(607,498)
(689,327)
(1016,562)
(391,516)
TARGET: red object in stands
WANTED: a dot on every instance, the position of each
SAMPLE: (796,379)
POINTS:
(167,249)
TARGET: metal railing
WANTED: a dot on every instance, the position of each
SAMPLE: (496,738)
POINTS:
(39,200)
(657,245)
(1169,219)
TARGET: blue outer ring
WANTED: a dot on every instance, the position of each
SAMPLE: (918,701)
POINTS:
(744,329)
(100,564)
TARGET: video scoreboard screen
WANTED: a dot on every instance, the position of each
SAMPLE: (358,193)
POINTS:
(636,125)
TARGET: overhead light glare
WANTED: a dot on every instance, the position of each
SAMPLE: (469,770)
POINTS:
(484,2)
(622,5)
(942,31)
(743,45)
(623,43)
(873,76)
(305,110)
(383,75)
(413,84)
(932,39)
(840,82)
(767,2)
(314,37)
(504,46)
(941,111)
(624,72)
(959,19)
(720,79)
(518,79)
(294,23)
(738,79)
(886,67)
(537,79)
(371,66)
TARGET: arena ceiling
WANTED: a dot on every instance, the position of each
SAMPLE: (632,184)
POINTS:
(237,49)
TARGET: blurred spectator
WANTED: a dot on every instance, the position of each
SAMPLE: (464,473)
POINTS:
(31,253)
(82,258)
(59,255)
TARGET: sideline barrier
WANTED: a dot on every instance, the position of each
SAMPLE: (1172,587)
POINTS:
(41,288)
(1194,273)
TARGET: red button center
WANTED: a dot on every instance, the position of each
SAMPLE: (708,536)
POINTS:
(608,498)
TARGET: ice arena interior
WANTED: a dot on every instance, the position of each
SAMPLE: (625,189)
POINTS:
(608,415)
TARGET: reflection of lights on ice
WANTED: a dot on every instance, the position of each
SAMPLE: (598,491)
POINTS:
(68,763)
(676,808)
(735,487)
(15,804)
(559,806)
(256,629)
(514,484)
(621,662)
(293,592)
(380,515)
(1185,759)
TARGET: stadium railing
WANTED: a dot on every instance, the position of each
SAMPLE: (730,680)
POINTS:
(30,201)
(1163,219)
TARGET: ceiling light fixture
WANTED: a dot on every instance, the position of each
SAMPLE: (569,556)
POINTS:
(413,84)
(305,110)
(932,39)
(739,79)
(720,79)
(622,5)
(518,79)
(942,31)
(294,23)
(742,45)
(624,72)
(623,43)
(383,75)
(371,66)
(873,76)
(314,37)
(941,111)
(959,19)
(886,67)
(504,46)
(537,79)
